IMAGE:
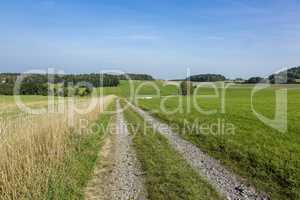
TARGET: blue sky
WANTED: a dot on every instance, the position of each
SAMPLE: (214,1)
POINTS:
(237,38)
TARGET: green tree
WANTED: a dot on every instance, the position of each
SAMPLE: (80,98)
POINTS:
(186,88)
(207,78)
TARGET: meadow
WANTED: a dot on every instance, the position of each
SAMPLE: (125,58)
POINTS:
(267,158)
(130,89)
(9,108)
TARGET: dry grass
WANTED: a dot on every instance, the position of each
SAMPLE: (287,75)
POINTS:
(34,147)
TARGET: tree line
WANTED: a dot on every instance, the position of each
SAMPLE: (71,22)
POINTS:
(145,77)
(37,84)
(64,85)
(290,76)
(206,78)
(203,78)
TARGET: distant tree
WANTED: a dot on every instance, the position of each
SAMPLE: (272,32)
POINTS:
(30,88)
(186,88)
(255,80)
(207,78)
(136,77)
(239,79)
(83,91)
(291,75)
(6,89)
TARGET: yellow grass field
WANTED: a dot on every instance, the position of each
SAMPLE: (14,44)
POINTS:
(34,147)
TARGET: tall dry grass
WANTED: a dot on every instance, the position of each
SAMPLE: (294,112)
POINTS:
(34,147)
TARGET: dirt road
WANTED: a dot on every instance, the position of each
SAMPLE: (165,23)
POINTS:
(117,174)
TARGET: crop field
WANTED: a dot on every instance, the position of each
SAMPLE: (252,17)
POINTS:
(38,150)
(10,109)
(7,103)
(267,158)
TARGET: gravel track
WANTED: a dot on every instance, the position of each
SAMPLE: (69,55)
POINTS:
(225,182)
(121,178)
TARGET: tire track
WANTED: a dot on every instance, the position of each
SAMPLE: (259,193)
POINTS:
(227,183)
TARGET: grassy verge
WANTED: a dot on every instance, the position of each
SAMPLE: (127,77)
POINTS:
(70,182)
(168,176)
(265,157)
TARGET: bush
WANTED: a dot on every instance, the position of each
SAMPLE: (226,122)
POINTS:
(83,91)
(256,80)
(34,89)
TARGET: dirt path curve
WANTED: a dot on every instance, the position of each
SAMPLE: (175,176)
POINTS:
(223,180)
(117,174)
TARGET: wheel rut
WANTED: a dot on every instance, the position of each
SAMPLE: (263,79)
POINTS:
(226,183)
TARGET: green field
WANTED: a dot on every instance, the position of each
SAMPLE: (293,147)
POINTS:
(10,100)
(9,107)
(126,89)
(268,158)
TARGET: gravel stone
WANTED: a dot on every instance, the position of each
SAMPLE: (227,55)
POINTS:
(122,178)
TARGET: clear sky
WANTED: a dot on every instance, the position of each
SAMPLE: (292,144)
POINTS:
(237,38)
